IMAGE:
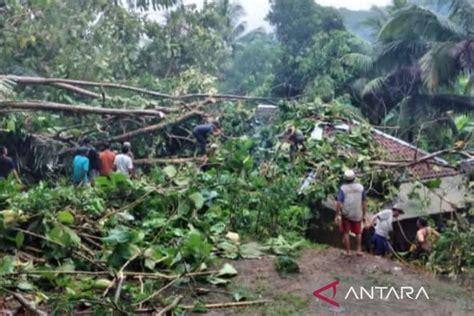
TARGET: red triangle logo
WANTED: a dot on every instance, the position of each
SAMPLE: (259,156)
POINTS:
(331,301)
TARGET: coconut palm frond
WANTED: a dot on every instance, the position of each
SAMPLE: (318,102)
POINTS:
(374,86)
(415,22)
(359,62)
(439,66)
(462,11)
(7,88)
(404,52)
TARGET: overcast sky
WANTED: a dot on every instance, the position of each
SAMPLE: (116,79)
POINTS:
(258,9)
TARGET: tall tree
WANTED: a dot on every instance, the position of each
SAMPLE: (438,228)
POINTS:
(297,23)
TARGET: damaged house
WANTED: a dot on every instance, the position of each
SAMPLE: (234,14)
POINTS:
(429,188)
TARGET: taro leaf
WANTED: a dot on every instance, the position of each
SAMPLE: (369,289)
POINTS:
(195,245)
(433,184)
(7,264)
(227,271)
(218,228)
(19,239)
(198,200)
(25,286)
(238,296)
(251,250)
(118,235)
(66,217)
(170,171)
(64,235)
(154,255)
(231,251)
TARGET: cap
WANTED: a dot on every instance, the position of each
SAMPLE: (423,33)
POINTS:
(349,174)
(127,144)
(398,207)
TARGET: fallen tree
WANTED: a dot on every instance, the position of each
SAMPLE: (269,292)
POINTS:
(69,84)
(76,109)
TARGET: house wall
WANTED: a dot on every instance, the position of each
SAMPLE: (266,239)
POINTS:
(449,197)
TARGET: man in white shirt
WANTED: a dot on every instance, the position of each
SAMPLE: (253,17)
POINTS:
(123,163)
(383,227)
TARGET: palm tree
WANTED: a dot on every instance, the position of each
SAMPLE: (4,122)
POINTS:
(416,69)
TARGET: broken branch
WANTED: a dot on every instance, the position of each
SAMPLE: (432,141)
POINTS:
(232,304)
(78,109)
(70,82)
(170,307)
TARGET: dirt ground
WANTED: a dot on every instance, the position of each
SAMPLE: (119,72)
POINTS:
(292,295)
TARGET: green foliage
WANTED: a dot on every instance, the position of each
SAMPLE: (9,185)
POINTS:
(286,265)
(452,254)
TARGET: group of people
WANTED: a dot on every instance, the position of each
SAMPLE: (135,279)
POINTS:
(351,216)
(88,163)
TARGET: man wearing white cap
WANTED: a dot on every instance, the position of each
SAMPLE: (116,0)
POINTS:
(383,227)
(351,209)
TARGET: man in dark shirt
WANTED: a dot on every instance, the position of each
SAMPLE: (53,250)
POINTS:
(201,134)
(94,161)
(7,165)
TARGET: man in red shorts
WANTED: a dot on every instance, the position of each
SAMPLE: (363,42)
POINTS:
(351,209)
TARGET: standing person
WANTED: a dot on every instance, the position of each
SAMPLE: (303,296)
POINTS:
(7,165)
(94,162)
(425,236)
(130,153)
(123,163)
(201,134)
(80,166)
(106,159)
(351,210)
(296,139)
(383,227)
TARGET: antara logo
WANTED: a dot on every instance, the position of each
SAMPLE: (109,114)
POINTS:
(372,293)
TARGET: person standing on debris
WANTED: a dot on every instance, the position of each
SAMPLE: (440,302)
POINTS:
(80,166)
(296,139)
(201,134)
(7,165)
(94,161)
(351,210)
(383,227)
(106,158)
(123,163)
(425,237)
(130,153)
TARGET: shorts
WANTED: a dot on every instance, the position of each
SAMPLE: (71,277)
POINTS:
(381,245)
(347,226)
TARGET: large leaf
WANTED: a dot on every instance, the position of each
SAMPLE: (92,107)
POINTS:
(415,21)
(227,271)
(198,200)
(7,265)
(66,217)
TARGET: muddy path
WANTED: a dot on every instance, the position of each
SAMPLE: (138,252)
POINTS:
(292,295)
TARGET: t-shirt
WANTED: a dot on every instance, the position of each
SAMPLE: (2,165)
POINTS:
(384,223)
(123,163)
(80,169)
(351,196)
(6,166)
(107,158)
(204,129)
